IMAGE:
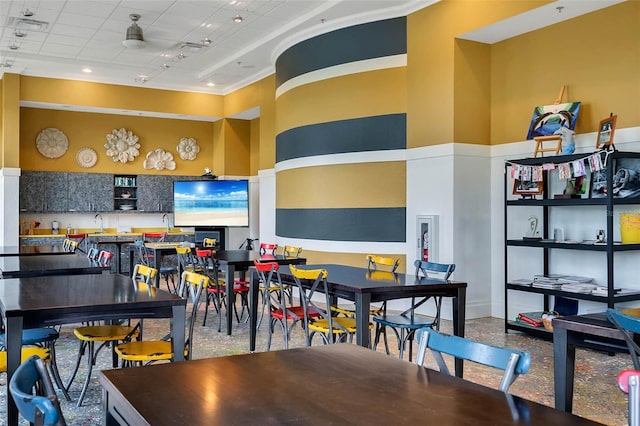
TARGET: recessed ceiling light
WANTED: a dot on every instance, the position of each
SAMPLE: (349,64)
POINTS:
(27,12)
(19,34)
(14,46)
(211,84)
(87,70)
(237,19)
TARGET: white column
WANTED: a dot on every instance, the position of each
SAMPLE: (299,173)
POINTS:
(9,207)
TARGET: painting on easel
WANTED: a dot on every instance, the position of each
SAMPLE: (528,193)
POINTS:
(548,119)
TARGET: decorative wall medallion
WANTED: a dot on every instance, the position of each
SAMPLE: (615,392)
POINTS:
(122,145)
(86,157)
(188,149)
(159,159)
(52,142)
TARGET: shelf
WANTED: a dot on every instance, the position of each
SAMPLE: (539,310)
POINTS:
(571,202)
(618,298)
(571,246)
(524,327)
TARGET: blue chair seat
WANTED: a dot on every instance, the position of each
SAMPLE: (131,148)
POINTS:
(33,336)
(403,321)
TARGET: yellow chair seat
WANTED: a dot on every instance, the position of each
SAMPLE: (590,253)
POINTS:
(350,310)
(102,333)
(146,350)
(27,352)
(322,325)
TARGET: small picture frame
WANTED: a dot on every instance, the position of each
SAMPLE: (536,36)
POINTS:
(525,187)
(598,184)
(605,132)
(626,179)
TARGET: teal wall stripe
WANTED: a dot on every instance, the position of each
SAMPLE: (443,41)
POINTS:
(347,224)
(382,132)
(356,43)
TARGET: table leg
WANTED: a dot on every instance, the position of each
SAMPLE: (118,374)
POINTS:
(118,253)
(459,313)
(363,304)
(229,274)
(131,256)
(13,327)
(253,309)
(157,261)
(177,332)
(564,357)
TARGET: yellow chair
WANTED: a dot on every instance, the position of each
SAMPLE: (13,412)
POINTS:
(149,351)
(291,251)
(318,319)
(106,334)
(27,351)
(70,245)
(209,243)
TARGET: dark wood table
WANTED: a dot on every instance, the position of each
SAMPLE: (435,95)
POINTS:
(32,250)
(53,300)
(320,385)
(241,260)
(358,285)
(590,331)
(50,264)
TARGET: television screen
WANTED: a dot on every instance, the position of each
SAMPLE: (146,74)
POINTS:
(211,203)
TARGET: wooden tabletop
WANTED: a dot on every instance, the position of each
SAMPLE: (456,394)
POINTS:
(334,384)
(36,266)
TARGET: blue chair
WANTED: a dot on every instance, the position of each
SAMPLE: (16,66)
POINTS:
(405,325)
(628,322)
(44,407)
(629,383)
(512,362)
(44,337)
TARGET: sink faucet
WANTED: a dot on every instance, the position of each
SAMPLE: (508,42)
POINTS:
(98,217)
(165,218)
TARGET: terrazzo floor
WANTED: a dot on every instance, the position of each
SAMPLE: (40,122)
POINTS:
(596,394)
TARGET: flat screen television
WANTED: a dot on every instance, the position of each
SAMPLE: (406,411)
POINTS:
(211,203)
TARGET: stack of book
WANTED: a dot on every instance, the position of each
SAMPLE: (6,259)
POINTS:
(570,283)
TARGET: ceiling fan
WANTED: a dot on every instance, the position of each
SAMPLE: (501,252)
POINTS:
(134,38)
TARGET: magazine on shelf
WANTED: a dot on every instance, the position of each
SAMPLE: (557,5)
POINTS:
(522,281)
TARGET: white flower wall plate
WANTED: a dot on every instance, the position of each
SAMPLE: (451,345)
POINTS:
(159,159)
(122,145)
(86,157)
(188,149)
(52,142)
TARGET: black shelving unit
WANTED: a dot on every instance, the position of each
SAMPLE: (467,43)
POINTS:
(547,245)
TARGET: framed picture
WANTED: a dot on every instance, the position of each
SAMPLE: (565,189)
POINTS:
(605,132)
(626,180)
(549,118)
(577,186)
(525,187)
(599,184)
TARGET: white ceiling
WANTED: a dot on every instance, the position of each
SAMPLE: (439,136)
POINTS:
(81,34)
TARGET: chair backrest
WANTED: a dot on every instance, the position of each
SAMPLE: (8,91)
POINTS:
(70,245)
(191,287)
(105,258)
(291,251)
(93,253)
(185,258)
(513,362)
(79,239)
(628,322)
(268,248)
(317,283)
(143,273)
(629,383)
(42,409)
(427,269)
(205,263)
(153,237)
(209,243)
(375,262)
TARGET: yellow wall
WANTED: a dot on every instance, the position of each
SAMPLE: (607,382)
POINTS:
(237,139)
(254,148)
(597,57)
(36,89)
(9,108)
(89,130)
(432,60)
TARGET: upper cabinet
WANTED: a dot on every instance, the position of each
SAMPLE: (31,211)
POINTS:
(90,192)
(42,192)
(155,193)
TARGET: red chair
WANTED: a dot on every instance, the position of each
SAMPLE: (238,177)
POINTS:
(105,258)
(216,291)
(268,249)
(275,294)
(629,383)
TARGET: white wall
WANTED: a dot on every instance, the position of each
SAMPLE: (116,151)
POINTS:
(9,196)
